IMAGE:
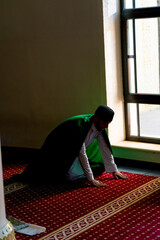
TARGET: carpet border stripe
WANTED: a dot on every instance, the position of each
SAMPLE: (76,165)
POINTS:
(91,219)
(13,187)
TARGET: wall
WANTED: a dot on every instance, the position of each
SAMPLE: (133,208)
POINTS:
(51,66)
(114,87)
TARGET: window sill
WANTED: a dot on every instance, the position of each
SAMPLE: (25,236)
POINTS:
(138,145)
(146,152)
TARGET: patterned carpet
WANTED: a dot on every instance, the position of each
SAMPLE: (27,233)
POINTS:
(125,209)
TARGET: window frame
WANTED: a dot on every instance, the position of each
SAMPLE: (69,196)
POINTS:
(126,14)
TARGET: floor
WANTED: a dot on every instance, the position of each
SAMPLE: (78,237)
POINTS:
(137,167)
(155,173)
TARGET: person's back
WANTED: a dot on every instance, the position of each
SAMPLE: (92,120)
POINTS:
(59,150)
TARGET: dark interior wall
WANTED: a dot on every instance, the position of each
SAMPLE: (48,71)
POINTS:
(51,66)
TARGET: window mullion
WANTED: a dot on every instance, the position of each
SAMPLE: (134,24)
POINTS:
(135,72)
(135,65)
(138,119)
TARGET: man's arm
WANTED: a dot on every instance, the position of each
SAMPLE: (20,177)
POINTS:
(108,159)
(87,169)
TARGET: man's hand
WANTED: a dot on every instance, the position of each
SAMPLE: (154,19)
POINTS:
(119,175)
(97,183)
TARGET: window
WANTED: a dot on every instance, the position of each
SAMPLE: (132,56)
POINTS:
(140,31)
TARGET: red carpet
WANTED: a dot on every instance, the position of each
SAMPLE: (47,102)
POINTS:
(125,209)
(11,168)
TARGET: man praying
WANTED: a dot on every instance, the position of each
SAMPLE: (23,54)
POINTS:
(77,148)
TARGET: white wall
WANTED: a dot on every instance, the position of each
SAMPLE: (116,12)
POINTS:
(111,9)
(51,66)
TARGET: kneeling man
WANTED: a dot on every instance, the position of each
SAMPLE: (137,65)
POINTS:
(78,147)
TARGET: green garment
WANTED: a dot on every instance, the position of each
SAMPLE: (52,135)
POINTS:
(62,146)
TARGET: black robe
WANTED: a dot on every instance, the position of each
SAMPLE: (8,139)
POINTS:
(60,149)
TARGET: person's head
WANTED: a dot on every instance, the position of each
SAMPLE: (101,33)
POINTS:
(102,117)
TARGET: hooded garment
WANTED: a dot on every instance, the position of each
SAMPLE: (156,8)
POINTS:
(60,149)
